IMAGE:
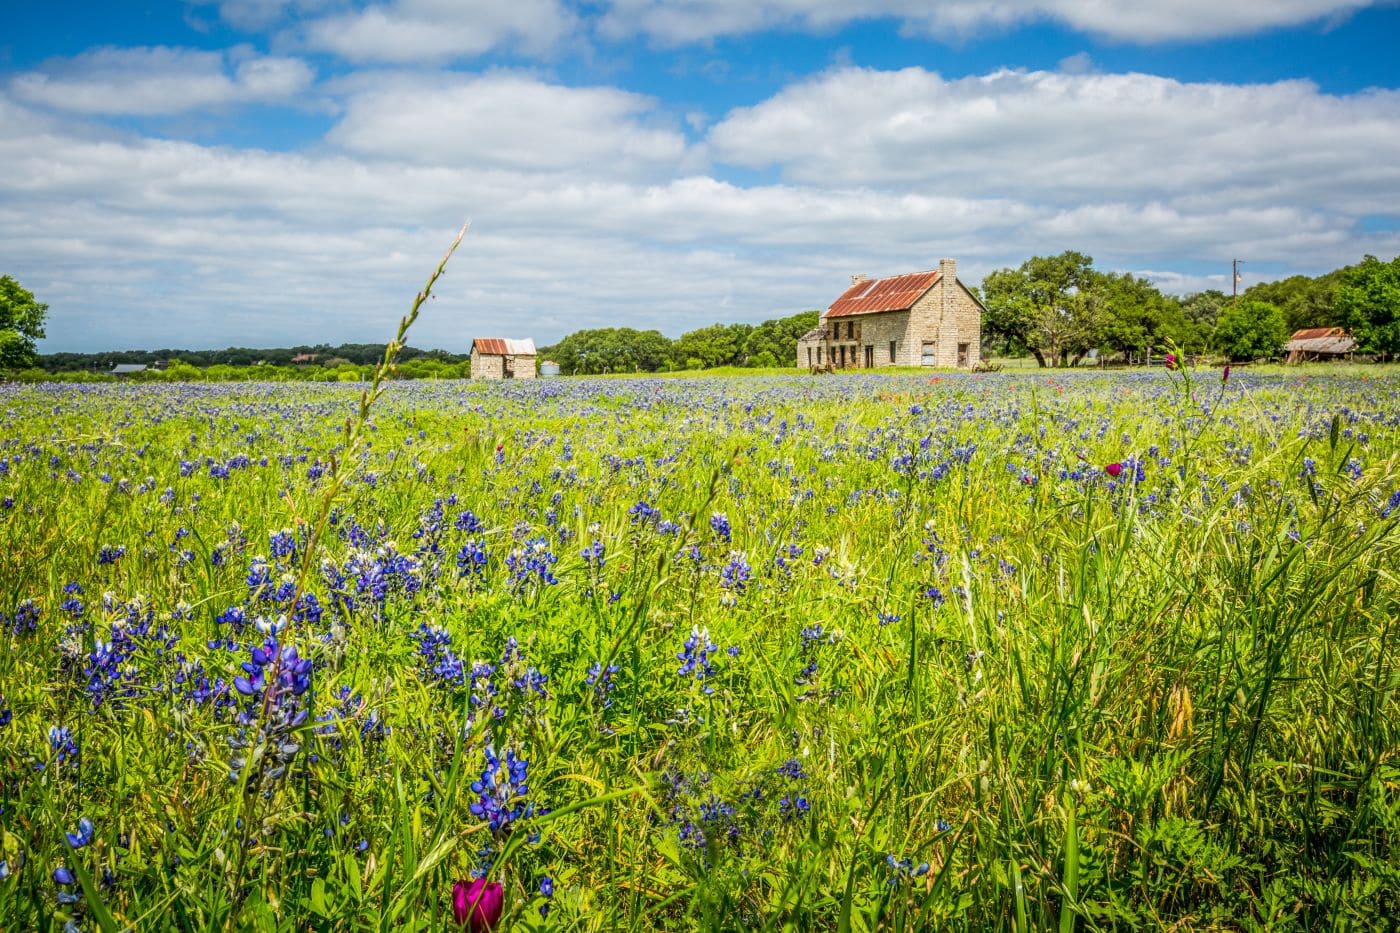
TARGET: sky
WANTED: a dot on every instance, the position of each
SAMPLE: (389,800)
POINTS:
(262,173)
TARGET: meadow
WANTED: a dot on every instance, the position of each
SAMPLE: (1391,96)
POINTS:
(998,651)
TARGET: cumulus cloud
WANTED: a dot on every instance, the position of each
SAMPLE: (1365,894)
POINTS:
(681,21)
(413,31)
(159,80)
(507,120)
(1055,137)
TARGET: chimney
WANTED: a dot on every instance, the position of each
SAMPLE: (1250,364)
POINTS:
(859,277)
(949,268)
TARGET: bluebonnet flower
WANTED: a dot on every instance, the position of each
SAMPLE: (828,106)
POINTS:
(531,564)
(83,836)
(277,679)
(26,618)
(502,790)
(468,522)
(440,663)
(695,657)
(546,889)
(111,553)
(72,605)
(595,555)
(886,618)
(643,513)
(63,745)
(282,545)
(1391,505)
(600,679)
(719,522)
(734,576)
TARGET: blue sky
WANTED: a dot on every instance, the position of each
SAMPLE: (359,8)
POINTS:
(275,172)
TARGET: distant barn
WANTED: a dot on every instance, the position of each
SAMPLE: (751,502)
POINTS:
(128,369)
(501,358)
(1319,343)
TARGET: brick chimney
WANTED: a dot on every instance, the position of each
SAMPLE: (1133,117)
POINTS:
(859,277)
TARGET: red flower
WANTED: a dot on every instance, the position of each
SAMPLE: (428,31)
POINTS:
(478,904)
(1113,469)
(1225,376)
(1171,361)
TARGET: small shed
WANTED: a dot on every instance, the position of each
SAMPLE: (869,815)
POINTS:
(503,358)
(128,369)
(1319,343)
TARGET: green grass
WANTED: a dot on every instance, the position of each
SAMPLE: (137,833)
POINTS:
(1038,698)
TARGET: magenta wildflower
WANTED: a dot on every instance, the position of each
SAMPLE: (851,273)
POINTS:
(478,904)
(1171,362)
(1113,469)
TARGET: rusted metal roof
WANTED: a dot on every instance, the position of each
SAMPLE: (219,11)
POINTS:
(1312,333)
(501,346)
(896,293)
(816,333)
(1334,345)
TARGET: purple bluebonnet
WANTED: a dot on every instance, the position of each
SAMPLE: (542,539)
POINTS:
(695,657)
(502,791)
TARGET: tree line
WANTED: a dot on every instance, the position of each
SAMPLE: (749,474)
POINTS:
(627,350)
(326,356)
(1060,309)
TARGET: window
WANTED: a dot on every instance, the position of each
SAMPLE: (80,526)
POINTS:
(962,354)
(927,357)
(809,357)
(819,356)
(892,343)
(850,330)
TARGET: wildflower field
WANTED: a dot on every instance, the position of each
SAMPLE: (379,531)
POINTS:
(858,652)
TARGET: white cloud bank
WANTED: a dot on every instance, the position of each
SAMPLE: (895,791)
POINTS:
(684,21)
(159,81)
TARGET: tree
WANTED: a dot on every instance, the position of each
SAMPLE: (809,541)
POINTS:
(1368,303)
(1140,318)
(1304,302)
(1047,306)
(774,342)
(1251,330)
(21,324)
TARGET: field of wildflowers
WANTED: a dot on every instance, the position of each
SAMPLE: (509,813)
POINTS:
(861,652)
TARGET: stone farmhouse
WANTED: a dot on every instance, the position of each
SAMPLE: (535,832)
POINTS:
(915,319)
(500,358)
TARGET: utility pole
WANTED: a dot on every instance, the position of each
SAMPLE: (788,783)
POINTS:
(1235,281)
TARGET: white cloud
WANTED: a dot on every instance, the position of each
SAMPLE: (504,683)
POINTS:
(681,21)
(161,80)
(415,31)
(508,121)
(1056,138)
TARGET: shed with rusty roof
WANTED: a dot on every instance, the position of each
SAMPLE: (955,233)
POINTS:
(924,318)
(1319,343)
(503,358)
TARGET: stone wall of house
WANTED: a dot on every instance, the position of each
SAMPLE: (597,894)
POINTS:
(524,368)
(946,316)
(878,331)
(486,366)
